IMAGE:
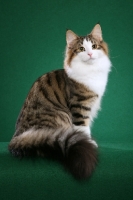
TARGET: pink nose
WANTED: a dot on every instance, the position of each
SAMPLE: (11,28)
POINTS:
(90,54)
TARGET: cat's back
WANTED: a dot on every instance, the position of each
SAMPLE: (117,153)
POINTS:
(50,86)
(47,98)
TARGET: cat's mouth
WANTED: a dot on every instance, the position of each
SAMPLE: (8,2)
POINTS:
(90,60)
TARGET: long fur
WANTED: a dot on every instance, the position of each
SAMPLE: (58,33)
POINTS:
(55,120)
(75,150)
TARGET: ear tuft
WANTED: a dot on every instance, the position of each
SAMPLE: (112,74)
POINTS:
(98,22)
(97,32)
(70,36)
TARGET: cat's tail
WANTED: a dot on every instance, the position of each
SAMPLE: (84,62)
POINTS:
(80,154)
(74,148)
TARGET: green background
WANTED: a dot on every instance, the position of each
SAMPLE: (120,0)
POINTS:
(32,42)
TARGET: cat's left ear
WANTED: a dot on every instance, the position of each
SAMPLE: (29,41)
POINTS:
(97,32)
(70,37)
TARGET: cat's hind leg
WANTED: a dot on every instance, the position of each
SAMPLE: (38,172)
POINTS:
(40,142)
(22,145)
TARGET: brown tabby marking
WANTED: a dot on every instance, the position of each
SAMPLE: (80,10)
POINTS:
(56,113)
(54,103)
(55,96)
(77,43)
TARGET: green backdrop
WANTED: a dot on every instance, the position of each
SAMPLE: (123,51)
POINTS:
(32,42)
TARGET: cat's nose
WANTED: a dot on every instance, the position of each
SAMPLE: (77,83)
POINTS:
(90,54)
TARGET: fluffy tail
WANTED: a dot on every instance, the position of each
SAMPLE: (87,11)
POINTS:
(80,155)
(74,148)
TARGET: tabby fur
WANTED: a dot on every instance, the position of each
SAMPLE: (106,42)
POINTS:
(56,117)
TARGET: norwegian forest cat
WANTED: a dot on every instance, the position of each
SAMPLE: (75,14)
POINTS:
(56,117)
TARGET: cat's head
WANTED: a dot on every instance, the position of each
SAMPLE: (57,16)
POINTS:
(88,48)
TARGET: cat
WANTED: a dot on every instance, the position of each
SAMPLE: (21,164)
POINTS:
(56,117)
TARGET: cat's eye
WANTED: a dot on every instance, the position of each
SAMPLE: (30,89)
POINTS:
(94,46)
(82,49)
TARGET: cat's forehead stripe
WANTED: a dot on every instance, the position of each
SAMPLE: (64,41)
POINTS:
(87,43)
(87,38)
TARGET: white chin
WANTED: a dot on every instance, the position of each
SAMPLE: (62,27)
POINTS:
(90,60)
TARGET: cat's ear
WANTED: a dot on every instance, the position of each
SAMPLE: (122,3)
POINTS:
(97,32)
(70,36)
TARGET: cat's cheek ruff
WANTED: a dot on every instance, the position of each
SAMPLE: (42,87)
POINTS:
(69,55)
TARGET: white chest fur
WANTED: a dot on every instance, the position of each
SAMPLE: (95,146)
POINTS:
(94,75)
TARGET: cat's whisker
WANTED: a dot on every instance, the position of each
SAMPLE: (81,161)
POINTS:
(115,56)
(114,68)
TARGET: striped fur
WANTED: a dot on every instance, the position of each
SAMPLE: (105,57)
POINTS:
(56,117)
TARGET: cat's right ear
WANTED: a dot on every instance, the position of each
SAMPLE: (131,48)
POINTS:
(70,37)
